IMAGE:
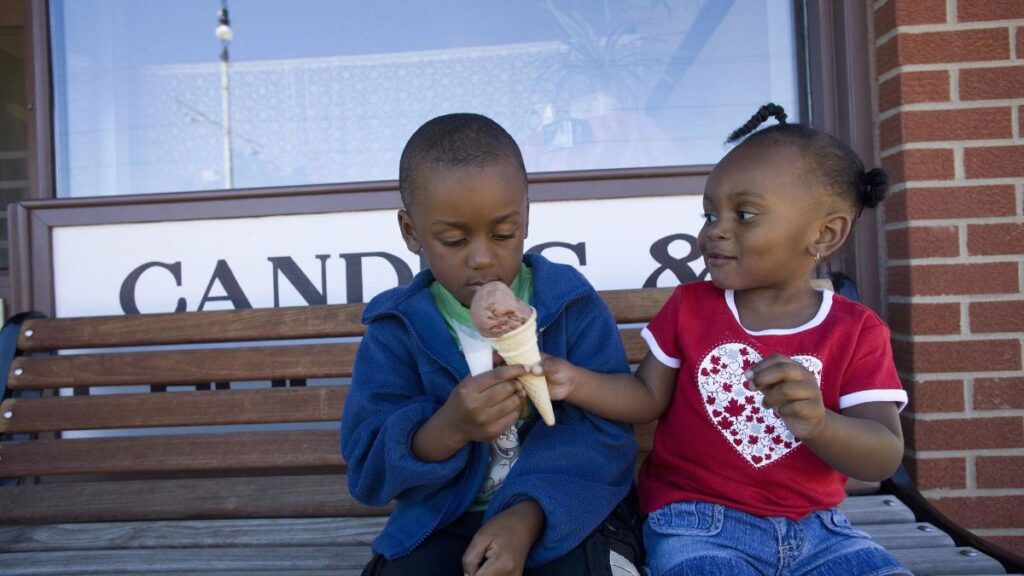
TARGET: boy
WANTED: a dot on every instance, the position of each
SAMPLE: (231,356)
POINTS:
(479,487)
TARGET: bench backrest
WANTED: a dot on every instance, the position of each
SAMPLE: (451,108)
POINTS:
(196,414)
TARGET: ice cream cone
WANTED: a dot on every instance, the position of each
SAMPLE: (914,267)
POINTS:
(520,347)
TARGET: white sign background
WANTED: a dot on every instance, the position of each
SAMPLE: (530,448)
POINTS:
(90,263)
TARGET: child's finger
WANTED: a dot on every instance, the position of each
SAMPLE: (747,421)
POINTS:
(474,556)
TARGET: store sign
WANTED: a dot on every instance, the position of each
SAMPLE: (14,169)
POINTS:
(346,256)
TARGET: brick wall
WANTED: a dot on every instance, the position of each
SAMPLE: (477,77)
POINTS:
(951,134)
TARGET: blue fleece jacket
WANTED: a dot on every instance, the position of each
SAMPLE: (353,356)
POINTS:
(407,365)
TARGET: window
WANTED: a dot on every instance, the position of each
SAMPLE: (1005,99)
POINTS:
(322,92)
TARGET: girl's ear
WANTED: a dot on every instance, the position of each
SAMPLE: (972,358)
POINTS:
(408,232)
(832,233)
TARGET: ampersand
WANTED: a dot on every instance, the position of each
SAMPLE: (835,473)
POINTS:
(678,266)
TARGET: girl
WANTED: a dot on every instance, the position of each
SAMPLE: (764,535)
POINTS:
(769,392)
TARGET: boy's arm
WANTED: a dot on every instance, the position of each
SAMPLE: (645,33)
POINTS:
(385,407)
(633,399)
(502,544)
(479,409)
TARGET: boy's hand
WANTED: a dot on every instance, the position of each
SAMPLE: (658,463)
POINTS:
(560,373)
(500,547)
(792,392)
(484,406)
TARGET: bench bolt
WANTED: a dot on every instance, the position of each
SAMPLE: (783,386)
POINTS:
(19,371)
(29,333)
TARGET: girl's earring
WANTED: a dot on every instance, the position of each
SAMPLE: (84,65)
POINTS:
(817,256)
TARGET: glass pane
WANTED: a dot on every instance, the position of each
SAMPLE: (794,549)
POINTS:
(13,124)
(320,91)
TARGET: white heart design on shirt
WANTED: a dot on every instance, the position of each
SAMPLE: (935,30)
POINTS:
(757,434)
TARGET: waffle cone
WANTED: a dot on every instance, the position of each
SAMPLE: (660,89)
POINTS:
(520,347)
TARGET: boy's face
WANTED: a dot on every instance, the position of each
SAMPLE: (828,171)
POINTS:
(470,223)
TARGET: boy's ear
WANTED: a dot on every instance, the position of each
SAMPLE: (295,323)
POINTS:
(408,232)
(832,233)
(526,228)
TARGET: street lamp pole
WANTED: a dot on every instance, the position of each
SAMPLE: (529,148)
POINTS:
(224,34)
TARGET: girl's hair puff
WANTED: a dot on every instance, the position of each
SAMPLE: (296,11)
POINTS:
(833,162)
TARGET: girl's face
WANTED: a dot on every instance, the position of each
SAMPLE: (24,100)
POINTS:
(761,219)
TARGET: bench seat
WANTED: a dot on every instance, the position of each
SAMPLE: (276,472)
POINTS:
(207,442)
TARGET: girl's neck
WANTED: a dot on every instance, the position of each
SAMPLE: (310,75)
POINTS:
(765,309)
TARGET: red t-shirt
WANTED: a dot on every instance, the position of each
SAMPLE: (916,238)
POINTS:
(715,443)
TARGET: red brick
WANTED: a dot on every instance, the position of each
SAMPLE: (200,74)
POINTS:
(1013,544)
(946,125)
(999,393)
(964,433)
(1000,471)
(921,319)
(913,88)
(892,14)
(931,396)
(1001,83)
(937,473)
(919,164)
(962,356)
(994,162)
(923,242)
(998,316)
(949,279)
(989,239)
(982,511)
(947,203)
(1020,43)
(978,45)
(981,10)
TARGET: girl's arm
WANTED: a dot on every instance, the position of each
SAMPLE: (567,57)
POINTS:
(865,441)
(633,399)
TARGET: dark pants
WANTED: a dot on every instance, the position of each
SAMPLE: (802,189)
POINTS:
(441,553)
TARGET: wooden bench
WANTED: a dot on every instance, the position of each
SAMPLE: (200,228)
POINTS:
(207,442)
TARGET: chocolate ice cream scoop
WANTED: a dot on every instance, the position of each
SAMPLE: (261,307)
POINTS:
(496,310)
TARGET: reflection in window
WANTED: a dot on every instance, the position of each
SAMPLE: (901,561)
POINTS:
(325,91)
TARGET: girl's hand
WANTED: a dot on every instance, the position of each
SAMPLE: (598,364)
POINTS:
(792,392)
(562,376)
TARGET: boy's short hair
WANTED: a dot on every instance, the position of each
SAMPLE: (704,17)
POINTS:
(454,141)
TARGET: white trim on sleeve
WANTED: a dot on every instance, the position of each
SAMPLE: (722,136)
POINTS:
(864,396)
(652,343)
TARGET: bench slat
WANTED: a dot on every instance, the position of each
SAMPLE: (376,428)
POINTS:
(287,449)
(356,531)
(216,407)
(908,535)
(947,561)
(276,560)
(183,366)
(318,495)
(335,320)
(322,321)
(637,304)
(876,509)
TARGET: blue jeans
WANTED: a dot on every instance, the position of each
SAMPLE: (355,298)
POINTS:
(711,539)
